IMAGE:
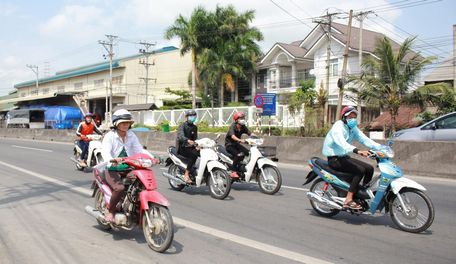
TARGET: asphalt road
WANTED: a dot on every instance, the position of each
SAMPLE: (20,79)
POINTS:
(42,220)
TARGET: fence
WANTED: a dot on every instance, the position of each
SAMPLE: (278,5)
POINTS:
(220,116)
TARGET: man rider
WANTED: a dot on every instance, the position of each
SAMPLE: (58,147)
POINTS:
(118,143)
(337,147)
(233,142)
(87,127)
(186,136)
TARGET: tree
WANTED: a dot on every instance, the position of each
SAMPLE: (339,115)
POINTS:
(388,76)
(234,51)
(194,36)
(439,95)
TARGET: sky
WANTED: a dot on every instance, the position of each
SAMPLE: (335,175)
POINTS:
(57,35)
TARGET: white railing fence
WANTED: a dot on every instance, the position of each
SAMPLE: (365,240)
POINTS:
(220,116)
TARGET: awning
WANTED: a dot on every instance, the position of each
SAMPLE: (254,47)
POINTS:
(28,98)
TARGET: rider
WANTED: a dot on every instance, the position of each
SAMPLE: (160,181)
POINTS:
(186,136)
(87,127)
(337,147)
(233,142)
(118,143)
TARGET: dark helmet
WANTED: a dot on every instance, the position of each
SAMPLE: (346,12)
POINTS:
(347,110)
(120,116)
(190,112)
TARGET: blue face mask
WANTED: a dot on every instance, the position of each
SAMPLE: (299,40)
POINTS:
(352,122)
(192,119)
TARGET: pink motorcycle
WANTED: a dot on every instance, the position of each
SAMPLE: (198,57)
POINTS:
(140,205)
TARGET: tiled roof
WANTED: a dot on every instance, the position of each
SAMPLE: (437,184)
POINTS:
(294,50)
(406,118)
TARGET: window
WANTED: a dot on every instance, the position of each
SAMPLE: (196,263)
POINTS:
(446,123)
(98,83)
(23,94)
(78,86)
(61,89)
(34,92)
(117,80)
(285,77)
(272,79)
(334,67)
(45,90)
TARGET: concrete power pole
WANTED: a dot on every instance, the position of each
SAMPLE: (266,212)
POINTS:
(108,45)
(327,20)
(34,68)
(454,57)
(146,52)
(342,81)
(361,16)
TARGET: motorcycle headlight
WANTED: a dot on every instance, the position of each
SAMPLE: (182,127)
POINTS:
(145,163)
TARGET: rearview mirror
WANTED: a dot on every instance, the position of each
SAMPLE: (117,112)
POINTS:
(389,142)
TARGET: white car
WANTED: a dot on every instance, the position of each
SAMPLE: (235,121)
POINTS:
(442,128)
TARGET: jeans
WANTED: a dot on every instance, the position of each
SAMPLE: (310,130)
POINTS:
(84,145)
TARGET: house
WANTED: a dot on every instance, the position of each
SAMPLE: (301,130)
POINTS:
(87,86)
(285,65)
(444,72)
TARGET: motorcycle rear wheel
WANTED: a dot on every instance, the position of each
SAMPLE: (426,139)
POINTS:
(101,207)
(76,157)
(160,235)
(421,213)
(220,188)
(174,170)
(317,187)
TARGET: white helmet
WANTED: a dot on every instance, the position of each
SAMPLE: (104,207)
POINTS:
(122,115)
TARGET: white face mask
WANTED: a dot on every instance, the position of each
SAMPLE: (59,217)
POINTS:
(242,122)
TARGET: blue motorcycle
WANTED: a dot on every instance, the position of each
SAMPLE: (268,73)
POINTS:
(409,206)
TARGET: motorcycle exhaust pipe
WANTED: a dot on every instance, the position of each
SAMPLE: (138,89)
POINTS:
(74,160)
(317,198)
(95,213)
(174,178)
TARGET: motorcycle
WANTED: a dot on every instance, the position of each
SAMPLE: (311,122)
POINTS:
(94,156)
(141,205)
(409,206)
(257,167)
(209,170)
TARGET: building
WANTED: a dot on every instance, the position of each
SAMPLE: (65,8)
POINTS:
(87,86)
(284,66)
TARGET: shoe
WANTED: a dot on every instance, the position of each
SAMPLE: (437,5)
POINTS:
(234,175)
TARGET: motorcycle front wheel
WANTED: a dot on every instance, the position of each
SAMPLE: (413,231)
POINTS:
(418,214)
(318,188)
(270,180)
(159,232)
(219,184)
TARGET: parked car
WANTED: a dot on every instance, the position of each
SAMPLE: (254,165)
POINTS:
(442,128)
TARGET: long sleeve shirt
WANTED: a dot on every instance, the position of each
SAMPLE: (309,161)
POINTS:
(113,145)
(339,138)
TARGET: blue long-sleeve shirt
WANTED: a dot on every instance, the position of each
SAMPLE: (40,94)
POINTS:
(339,138)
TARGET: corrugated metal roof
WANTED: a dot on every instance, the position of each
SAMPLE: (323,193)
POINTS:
(88,69)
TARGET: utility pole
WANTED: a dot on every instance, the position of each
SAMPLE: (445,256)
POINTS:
(108,45)
(34,68)
(341,81)
(326,20)
(361,16)
(146,52)
(454,57)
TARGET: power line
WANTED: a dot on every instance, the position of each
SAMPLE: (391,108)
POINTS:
(286,11)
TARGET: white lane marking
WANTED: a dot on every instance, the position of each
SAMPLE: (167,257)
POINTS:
(291,255)
(295,188)
(22,147)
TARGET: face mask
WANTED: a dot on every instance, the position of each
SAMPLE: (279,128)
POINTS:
(352,122)
(192,119)
(242,122)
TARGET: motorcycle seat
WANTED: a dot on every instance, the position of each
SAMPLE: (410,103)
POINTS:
(223,150)
(323,164)
(173,151)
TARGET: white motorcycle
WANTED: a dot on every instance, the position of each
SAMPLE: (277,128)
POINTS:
(209,171)
(257,167)
(94,156)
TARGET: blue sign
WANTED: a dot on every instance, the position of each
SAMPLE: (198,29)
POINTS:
(269,106)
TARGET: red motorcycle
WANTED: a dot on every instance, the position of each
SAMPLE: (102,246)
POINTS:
(141,205)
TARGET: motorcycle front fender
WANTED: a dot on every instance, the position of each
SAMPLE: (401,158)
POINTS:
(146,197)
(398,184)
(265,161)
(215,164)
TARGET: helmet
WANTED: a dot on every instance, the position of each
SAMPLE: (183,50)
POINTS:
(238,115)
(347,110)
(88,114)
(120,116)
(190,112)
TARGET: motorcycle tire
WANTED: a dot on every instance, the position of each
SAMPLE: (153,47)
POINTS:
(162,222)
(221,177)
(174,170)
(316,206)
(263,184)
(101,206)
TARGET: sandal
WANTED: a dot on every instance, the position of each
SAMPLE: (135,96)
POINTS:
(352,205)
(187,180)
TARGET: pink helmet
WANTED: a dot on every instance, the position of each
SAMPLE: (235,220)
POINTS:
(347,110)
(238,115)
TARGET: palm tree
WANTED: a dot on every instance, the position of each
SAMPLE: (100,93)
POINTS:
(440,95)
(388,76)
(234,52)
(193,34)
